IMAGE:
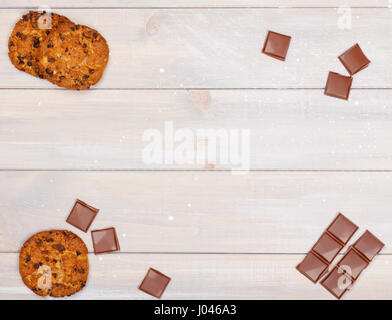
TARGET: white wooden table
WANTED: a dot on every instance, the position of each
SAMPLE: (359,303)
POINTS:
(198,64)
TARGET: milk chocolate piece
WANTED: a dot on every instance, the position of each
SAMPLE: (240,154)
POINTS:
(356,259)
(368,245)
(327,247)
(342,228)
(312,267)
(354,59)
(352,263)
(338,86)
(105,240)
(276,45)
(154,283)
(337,283)
(82,215)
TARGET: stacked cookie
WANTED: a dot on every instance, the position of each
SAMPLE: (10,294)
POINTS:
(52,47)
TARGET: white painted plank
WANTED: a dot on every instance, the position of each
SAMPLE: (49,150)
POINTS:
(198,48)
(289,129)
(261,212)
(194,3)
(117,276)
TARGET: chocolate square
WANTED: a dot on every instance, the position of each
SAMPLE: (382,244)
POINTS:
(338,86)
(312,267)
(276,45)
(82,215)
(352,264)
(342,228)
(337,283)
(369,245)
(354,60)
(105,240)
(327,247)
(154,283)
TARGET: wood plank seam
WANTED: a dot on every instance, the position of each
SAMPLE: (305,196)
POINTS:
(188,8)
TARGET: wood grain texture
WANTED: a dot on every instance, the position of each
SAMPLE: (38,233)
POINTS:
(289,129)
(117,276)
(194,3)
(198,48)
(218,235)
(261,212)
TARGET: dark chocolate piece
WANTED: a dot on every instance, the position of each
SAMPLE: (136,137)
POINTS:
(82,215)
(154,283)
(338,86)
(276,45)
(356,259)
(354,59)
(327,247)
(105,240)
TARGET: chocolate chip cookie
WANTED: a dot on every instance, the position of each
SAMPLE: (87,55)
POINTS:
(52,47)
(24,44)
(54,263)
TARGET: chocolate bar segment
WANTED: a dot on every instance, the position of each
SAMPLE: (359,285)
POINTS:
(82,215)
(105,240)
(338,86)
(354,60)
(154,283)
(342,228)
(276,45)
(368,245)
(337,283)
(352,264)
(327,247)
(312,267)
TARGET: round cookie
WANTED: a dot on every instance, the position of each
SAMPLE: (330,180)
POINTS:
(25,42)
(54,263)
(75,56)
